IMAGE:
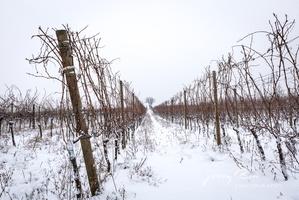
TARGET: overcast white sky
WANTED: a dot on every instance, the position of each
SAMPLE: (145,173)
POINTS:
(162,44)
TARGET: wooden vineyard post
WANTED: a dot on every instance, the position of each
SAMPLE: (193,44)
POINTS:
(133,115)
(82,129)
(33,116)
(123,140)
(236,107)
(133,105)
(51,127)
(217,123)
(1,119)
(185,109)
(171,112)
(39,123)
(11,123)
(290,107)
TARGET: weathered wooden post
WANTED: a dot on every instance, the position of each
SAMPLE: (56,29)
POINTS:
(39,123)
(33,116)
(236,107)
(51,127)
(11,109)
(82,129)
(11,123)
(1,119)
(123,140)
(185,109)
(217,122)
(133,116)
(133,105)
(290,108)
(171,111)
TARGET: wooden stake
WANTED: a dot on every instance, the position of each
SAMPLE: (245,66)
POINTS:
(171,112)
(39,123)
(185,109)
(11,123)
(69,72)
(33,116)
(236,107)
(290,108)
(1,119)
(217,122)
(133,105)
(123,140)
(51,127)
(11,131)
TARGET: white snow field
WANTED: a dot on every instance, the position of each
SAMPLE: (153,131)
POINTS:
(164,161)
(182,165)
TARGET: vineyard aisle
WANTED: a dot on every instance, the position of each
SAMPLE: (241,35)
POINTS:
(172,163)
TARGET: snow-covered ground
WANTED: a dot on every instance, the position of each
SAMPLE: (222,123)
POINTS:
(164,161)
(183,165)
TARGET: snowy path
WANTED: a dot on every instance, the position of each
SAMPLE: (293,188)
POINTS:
(181,166)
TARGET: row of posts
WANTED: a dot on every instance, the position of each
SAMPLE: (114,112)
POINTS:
(12,122)
(216,109)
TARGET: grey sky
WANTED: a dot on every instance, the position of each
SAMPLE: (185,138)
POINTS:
(162,45)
